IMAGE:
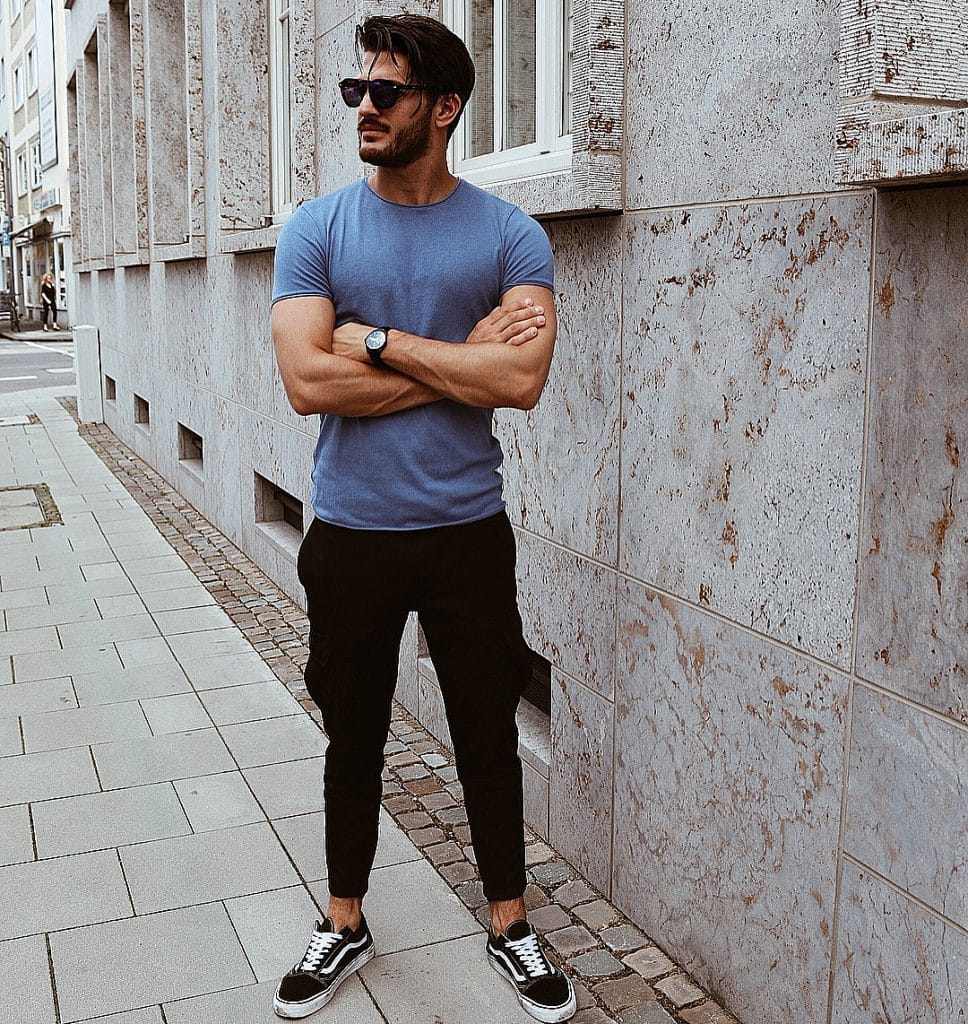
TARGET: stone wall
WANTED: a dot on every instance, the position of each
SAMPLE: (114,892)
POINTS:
(740,505)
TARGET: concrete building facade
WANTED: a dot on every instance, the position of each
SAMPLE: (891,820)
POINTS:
(740,505)
(34,124)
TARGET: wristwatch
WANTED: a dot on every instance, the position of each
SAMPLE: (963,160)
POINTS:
(375,342)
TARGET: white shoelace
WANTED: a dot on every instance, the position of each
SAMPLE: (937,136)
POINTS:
(531,955)
(319,945)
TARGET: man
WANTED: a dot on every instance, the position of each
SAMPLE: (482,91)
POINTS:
(405,309)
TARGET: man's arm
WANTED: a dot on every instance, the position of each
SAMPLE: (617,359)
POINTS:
(317,381)
(504,364)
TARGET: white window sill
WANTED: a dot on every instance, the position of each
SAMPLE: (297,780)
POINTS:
(284,538)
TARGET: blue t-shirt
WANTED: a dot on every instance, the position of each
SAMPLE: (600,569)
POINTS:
(433,271)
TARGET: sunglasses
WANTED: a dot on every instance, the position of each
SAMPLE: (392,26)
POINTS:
(383,92)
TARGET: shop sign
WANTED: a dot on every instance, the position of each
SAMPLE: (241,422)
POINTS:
(48,198)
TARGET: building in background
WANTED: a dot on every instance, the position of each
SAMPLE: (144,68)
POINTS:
(740,505)
(35,128)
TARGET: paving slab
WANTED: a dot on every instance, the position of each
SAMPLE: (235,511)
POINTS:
(176,600)
(16,845)
(95,588)
(11,741)
(295,787)
(26,996)
(142,961)
(152,650)
(6,671)
(122,605)
(31,597)
(55,664)
(28,641)
(191,620)
(274,740)
(37,697)
(49,895)
(130,684)
(101,821)
(218,801)
(46,775)
(249,703)
(138,568)
(25,580)
(200,868)
(161,758)
(182,712)
(128,627)
(176,580)
(32,616)
(209,672)
(102,571)
(146,1015)
(83,726)
(274,928)
(209,642)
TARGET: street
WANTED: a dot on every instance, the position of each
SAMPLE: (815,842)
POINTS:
(32,364)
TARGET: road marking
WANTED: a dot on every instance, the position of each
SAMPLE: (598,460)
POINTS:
(47,348)
(60,369)
(4,379)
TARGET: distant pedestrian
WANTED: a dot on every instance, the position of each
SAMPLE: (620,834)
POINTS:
(48,294)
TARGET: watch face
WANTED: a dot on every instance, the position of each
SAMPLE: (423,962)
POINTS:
(375,339)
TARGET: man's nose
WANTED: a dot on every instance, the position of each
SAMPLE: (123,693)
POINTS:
(367,106)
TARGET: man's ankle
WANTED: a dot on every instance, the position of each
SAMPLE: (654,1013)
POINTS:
(345,912)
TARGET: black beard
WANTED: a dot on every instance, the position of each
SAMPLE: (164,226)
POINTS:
(412,142)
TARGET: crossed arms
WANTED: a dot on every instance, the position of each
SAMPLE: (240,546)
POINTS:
(325,369)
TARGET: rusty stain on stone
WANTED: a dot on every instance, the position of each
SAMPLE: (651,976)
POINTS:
(885,297)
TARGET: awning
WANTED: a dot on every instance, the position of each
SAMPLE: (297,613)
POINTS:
(44,222)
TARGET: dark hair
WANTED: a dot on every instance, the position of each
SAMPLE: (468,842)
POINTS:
(438,60)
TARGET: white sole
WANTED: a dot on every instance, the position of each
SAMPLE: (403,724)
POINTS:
(295,1011)
(546,1014)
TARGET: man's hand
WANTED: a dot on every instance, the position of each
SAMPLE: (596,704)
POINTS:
(348,342)
(513,324)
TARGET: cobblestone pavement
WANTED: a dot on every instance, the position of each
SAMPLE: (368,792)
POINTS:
(620,973)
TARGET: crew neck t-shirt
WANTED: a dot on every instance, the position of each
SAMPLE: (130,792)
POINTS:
(433,271)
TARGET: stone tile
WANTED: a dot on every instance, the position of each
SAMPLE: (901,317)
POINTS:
(148,651)
(295,787)
(43,614)
(580,780)
(190,620)
(249,703)
(744,412)
(561,458)
(161,758)
(551,874)
(707,1013)
(218,801)
(212,672)
(568,609)
(83,726)
(71,592)
(550,918)
(680,990)
(14,599)
(175,600)
(98,821)
(624,938)
(28,641)
(6,671)
(157,582)
(196,869)
(409,905)
(146,960)
(596,915)
(46,896)
(571,940)
(536,799)
(137,568)
(596,964)
(253,1004)
(180,712)
(128,627)
(37,697)
(790,100)
(646,1013)
(897,961)
(729,751)
(26,996)
(906,812)
(145,1015)
(47,775)
(622,993)
(430,991)
(121,606)
(130,684)
(15,838)
(207,643)
(273,928)
(102,571)
(57,664)
(572,893)
(24,579)
(911,626)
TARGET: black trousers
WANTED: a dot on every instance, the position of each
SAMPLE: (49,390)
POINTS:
(360,586)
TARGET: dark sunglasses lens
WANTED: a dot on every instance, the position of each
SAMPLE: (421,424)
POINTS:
(384,94)
(353,90)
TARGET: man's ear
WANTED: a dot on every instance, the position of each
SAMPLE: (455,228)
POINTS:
(447,109)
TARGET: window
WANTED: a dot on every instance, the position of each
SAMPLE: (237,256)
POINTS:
(18,86)
(518,121)
(32,69)
(21,173)
(36,174)
(280,107)
(3,78)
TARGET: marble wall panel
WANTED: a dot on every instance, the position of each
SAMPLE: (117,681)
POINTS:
(907,816)
(408,690)
(567,605)
(729,760)
(536,799)
(745,355)
(189,319)
(223,466)
(304,100)
(561,458)
(331,13)
(913,623)
(139,117)
(736,100)
(105,137)
(581,778)
(194,108)
(337,161)
(433,716)
(898,963)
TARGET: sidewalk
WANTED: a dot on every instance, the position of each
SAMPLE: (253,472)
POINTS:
(161,854)
(31,333)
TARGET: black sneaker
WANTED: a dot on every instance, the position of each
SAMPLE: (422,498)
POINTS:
(545,992)
(331,958)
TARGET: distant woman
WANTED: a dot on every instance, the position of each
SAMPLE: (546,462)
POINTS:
(48,294)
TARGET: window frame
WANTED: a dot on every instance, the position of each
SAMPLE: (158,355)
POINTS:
(280,109)
(23,179)
(36,170)
(19,85)
(30,63)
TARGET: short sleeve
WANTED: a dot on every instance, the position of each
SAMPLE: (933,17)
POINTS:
(301,266)
(527,253)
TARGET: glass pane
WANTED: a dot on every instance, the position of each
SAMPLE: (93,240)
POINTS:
(479,125)
(567,71)
(519,49)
